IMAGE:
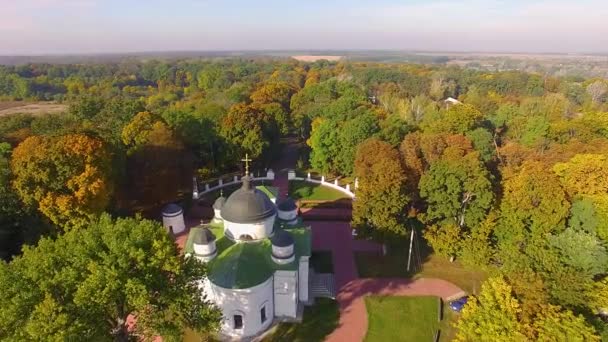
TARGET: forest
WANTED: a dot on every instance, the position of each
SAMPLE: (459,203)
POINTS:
(509,176)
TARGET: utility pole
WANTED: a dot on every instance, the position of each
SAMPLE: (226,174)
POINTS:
(409,257)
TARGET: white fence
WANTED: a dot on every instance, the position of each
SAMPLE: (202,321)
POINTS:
(197,191)
(291,175)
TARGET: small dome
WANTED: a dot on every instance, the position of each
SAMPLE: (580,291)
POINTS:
(172,209)
(287,204)
(281,238)
(203,237)
(219,202)
(247,205)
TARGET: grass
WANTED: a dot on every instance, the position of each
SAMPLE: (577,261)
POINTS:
(402,318)
(394,265)
(309,191)
(322,262)
(318,322)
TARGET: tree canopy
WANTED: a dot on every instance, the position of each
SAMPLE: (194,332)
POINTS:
(89,283)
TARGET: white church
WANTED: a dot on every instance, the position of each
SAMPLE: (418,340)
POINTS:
(258,257)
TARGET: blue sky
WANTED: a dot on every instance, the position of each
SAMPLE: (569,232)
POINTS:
(90,26)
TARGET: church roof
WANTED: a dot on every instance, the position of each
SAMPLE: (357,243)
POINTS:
(288,204)
(244,265)
(203,236)
(219,202)
(172,209)
(281,238)
(247,205)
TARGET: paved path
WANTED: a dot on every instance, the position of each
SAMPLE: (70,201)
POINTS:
(289,157)
(336,237)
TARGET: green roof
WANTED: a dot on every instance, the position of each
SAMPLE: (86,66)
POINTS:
(246,264)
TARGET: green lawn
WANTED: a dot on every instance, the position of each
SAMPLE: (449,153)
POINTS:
(322,262)
(310,191)
(319,321)
(402,318)
(394,265)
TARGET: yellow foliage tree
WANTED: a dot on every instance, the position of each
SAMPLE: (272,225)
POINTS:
(66,178)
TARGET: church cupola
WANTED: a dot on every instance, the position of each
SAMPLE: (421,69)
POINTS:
(282,247)
(217,207)
(173,218)
(288,211)
(203,244)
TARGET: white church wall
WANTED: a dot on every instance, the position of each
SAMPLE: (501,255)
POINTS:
(245,302)
(303,269)
(286,293)
(204,249)
(287,215)
(259,230)
(175,222)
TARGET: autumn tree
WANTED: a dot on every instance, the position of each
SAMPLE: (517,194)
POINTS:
(533,205)
(381,205)
(250,129)
(419,150)
(492,315)
(67,178)
(86,284)
(458,119)
(584,174)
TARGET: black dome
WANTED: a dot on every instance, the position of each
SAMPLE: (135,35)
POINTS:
(172,209)
(247,205)
(287,204)
(219,202)
(281,238)
(203,237)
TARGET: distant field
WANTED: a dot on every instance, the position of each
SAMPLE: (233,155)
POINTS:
(14,107)
(309,58)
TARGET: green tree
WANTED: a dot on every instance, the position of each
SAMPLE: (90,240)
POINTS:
(86,284)
(457,189)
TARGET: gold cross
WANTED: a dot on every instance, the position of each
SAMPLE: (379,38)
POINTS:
(246,160)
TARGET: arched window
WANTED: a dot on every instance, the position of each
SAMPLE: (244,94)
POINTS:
(264,312)
(245,237)
(238,320)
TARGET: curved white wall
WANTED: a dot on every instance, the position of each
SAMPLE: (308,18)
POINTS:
(176,222)
(287,215)
(245,302)
(259,230)
(205,252)
(285,254)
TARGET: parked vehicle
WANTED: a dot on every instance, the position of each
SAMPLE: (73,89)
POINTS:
(458,304)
